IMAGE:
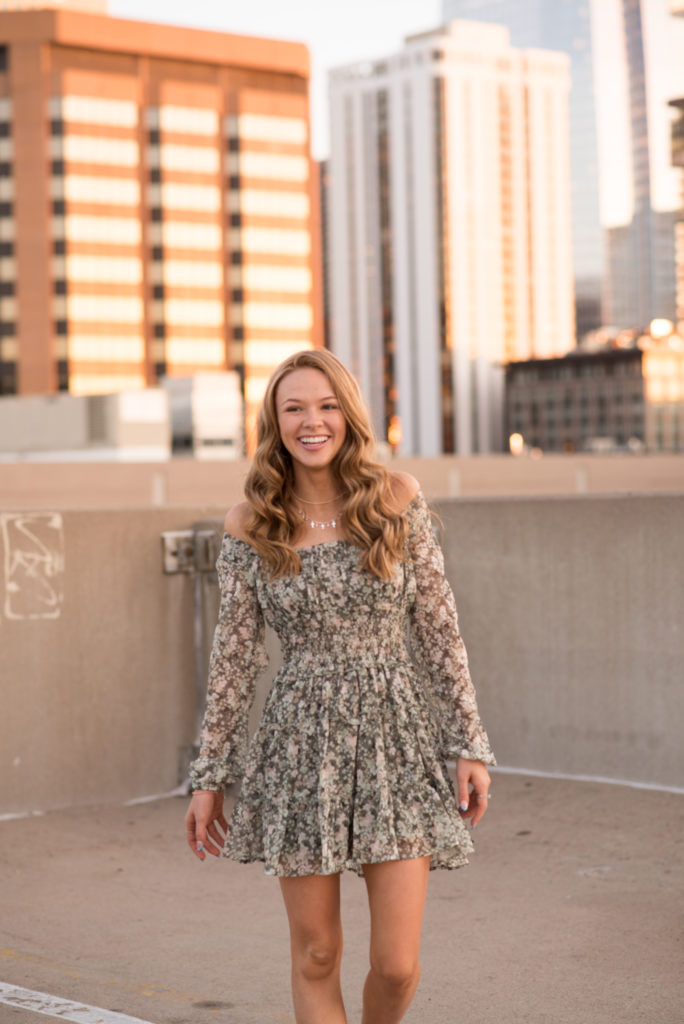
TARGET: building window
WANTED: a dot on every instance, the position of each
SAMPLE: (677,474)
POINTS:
(60,287)
(62,375)
(8,378)
(160,330)
(267,128)
(158,291)
(4,58)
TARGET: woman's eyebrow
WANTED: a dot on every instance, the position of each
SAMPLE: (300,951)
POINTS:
(327,398)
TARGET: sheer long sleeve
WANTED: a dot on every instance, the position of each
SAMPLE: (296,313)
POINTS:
(238,655)
(437,643)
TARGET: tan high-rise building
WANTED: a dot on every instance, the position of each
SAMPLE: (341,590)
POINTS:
(91,6)
(158,213)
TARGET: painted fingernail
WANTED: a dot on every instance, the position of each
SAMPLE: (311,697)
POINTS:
(199,847)
(463,807)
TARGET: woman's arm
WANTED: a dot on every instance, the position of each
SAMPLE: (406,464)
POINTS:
(238,655)
(438,645)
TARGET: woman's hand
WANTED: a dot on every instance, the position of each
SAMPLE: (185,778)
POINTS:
(205,822)
(472,803)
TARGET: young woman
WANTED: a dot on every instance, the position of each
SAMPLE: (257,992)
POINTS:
(348,766)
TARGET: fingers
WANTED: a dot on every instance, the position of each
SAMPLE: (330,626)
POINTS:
(194,835)
(205,826)
(480,802)
(463,795)
(203,840)
(215,836)
(473,790)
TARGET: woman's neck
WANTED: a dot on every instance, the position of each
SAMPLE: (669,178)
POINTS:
(316,488)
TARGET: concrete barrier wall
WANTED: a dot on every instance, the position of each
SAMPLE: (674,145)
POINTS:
(572,614)
(98,676)
(184,482)
(570,607)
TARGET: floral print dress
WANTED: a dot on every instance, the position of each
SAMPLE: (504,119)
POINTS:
(348,765)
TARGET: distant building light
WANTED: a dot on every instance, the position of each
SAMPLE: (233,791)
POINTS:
(394,433)
(661,328)
(516,444)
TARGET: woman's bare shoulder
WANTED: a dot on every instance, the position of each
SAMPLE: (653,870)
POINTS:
(404,488)
(236,520)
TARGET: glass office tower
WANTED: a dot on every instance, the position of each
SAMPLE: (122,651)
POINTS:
(626,65)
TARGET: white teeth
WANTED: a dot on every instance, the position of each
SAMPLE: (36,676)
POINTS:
(313,440)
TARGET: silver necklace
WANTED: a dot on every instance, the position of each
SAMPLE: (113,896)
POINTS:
(313,523)
(306,501)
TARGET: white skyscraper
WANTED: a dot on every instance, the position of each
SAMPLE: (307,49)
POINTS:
(450,238)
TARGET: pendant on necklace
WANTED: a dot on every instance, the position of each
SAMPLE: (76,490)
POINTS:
(313,523)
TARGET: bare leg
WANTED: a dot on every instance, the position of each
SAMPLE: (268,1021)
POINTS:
(396,895)
(313,910)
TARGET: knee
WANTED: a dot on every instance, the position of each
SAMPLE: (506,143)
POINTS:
(318,959)
(396,975)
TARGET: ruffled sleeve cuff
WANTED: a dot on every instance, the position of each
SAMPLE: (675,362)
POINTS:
(472,750)
(213,774)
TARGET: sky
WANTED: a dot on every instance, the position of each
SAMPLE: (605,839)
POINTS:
(335,32)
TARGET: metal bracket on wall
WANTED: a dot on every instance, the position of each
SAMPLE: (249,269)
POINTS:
(189,551)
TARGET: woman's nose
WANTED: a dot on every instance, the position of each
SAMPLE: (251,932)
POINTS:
(312,417)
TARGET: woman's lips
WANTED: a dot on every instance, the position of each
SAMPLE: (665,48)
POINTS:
(314,441)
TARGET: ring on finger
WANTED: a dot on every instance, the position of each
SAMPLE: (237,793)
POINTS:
(483,796)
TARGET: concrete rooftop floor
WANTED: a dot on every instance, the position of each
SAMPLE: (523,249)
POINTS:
(571,911)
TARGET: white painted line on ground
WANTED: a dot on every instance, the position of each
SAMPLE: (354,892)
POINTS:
(657,787)
(64,1009)
(21,814)
(183,790)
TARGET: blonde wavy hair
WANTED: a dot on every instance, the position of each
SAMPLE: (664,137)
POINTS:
(369,514)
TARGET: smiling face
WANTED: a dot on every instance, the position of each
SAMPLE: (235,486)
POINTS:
(311,424)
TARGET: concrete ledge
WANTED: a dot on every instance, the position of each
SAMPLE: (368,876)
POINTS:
(187,482)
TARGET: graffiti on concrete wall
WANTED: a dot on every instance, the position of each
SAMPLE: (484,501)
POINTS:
(33,556)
